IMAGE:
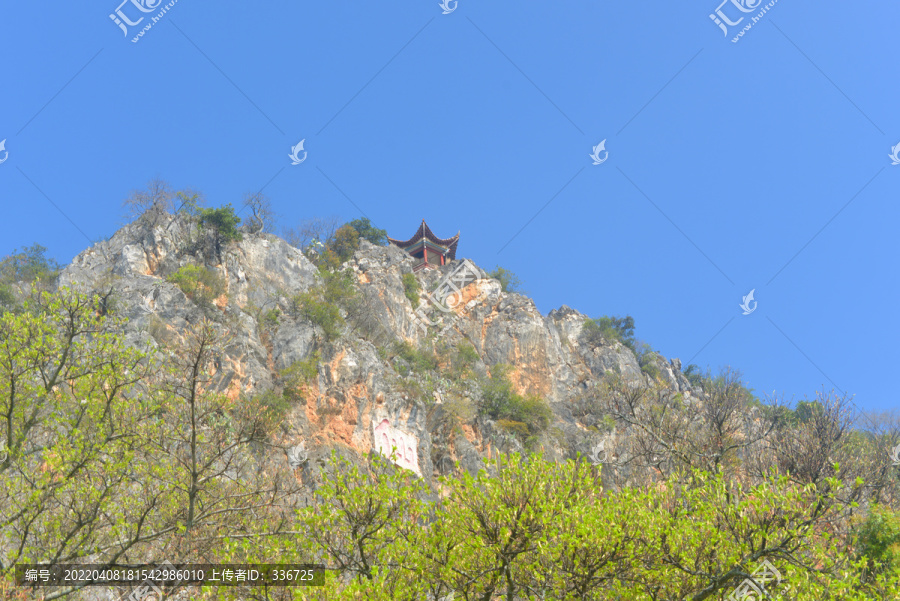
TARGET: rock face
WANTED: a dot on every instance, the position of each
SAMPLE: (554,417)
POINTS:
(363,397)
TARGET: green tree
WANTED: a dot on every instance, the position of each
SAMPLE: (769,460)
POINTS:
(74,430)
(223,224)
(509,282)
(362,521)
(28,265)
(345,242)
(879,540)
(621,329)
(369,232)
(21,268)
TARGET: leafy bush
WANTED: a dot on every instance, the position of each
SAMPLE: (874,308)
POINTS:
(200,284)
(879,539)
(519,429)
(611,329)
(411,288)
(366,230)
(269,409)
(337,288)
(345,242)
(299,375)
(465,359)
(311,306)
(694,375)
(509,282)
(647,359)
(420,361)
(459,409)
(321,304)
(500,402)
(271,318)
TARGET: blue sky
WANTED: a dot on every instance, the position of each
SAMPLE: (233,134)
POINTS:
(758,164)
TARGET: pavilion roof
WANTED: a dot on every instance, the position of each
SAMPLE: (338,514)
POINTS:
(424,232)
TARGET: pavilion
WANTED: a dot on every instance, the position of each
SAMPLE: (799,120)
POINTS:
(430,250)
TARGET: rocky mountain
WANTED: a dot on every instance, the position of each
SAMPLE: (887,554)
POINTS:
(407,365)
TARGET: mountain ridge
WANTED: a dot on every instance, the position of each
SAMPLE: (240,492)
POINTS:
(355,388)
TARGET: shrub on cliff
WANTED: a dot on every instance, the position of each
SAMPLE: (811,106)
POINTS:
(322,304)
(526,416)
(610,329)
(411,288)
(509,282)
(369,232)
(200,284)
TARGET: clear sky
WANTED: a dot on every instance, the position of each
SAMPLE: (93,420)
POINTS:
(760,164)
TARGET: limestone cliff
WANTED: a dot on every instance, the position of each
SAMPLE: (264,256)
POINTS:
(364,395)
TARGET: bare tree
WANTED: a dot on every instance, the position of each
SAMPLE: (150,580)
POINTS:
(152,203)
(668,430)
(808,446)
(881,457)
(317,228)
(262,216)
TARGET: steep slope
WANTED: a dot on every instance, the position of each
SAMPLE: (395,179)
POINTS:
(389,379)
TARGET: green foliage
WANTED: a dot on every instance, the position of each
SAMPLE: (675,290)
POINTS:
(367,231)
(459,410)
(108,451)
(509,282)
(8,299)
(200,284)
(467,354)
(313,307)
(270,409)
(338,288)
(188,204)
(807,410)
(362,515)
(299,375)
(526,527)
(500,402)
(419,360)
(345,242)
(611,329)
(519,429)
(322,304)
(879,539)
(693,374)
(411,288)
(647,359)
(271,318)
(223,221)
(463,362)
(28,265)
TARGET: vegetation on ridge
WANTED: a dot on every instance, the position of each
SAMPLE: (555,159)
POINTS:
(694,490)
